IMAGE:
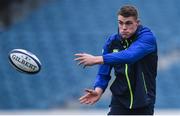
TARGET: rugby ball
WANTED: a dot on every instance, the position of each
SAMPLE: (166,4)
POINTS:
(24,61)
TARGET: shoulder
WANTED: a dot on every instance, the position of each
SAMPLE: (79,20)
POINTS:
(109,41)
(112,37)
(144,33)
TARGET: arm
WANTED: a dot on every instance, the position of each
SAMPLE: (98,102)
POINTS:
(140,48)
(102,78)
(103,75)
(101,83)
(137,50)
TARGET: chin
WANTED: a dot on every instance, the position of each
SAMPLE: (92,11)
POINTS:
(125,37)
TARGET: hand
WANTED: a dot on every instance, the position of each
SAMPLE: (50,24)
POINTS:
(91,96)
(88,59)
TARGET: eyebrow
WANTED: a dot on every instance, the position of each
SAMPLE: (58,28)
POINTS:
(125,21)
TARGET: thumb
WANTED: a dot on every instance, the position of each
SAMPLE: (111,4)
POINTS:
(90,91)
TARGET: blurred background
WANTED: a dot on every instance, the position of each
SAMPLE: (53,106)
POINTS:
(55,30)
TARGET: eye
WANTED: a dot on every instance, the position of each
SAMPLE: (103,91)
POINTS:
(128,23)
(120,22)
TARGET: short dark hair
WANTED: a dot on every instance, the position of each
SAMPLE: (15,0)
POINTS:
(127,11)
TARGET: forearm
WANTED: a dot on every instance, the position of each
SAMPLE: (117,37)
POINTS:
(117,58)
(129,56)
(143,46)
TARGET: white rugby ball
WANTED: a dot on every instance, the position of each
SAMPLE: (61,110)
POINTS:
(24,61)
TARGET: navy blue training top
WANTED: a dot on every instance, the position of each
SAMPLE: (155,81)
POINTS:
(135,64)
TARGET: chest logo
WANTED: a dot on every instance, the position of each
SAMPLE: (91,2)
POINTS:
(115,50)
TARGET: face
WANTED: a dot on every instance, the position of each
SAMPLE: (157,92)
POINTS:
(127,26)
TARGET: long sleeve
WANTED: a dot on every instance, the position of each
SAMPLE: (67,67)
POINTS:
(144,45)
(103,75)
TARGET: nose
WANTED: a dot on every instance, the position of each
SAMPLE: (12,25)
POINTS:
(124,27)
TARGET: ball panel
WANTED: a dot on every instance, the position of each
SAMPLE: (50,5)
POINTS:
(30,54)
(24,61)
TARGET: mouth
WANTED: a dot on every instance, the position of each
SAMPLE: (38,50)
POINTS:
(125,34)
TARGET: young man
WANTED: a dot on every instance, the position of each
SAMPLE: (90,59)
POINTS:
(132,52)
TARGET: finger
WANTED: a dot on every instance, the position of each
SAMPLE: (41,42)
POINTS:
(92,102)
(83,101)
(84,97)
(79,54)
(82,62)
(87,102)
(79,58)
(89,90)
(84,66)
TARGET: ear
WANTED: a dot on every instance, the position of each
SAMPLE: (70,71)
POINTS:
(138,21)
